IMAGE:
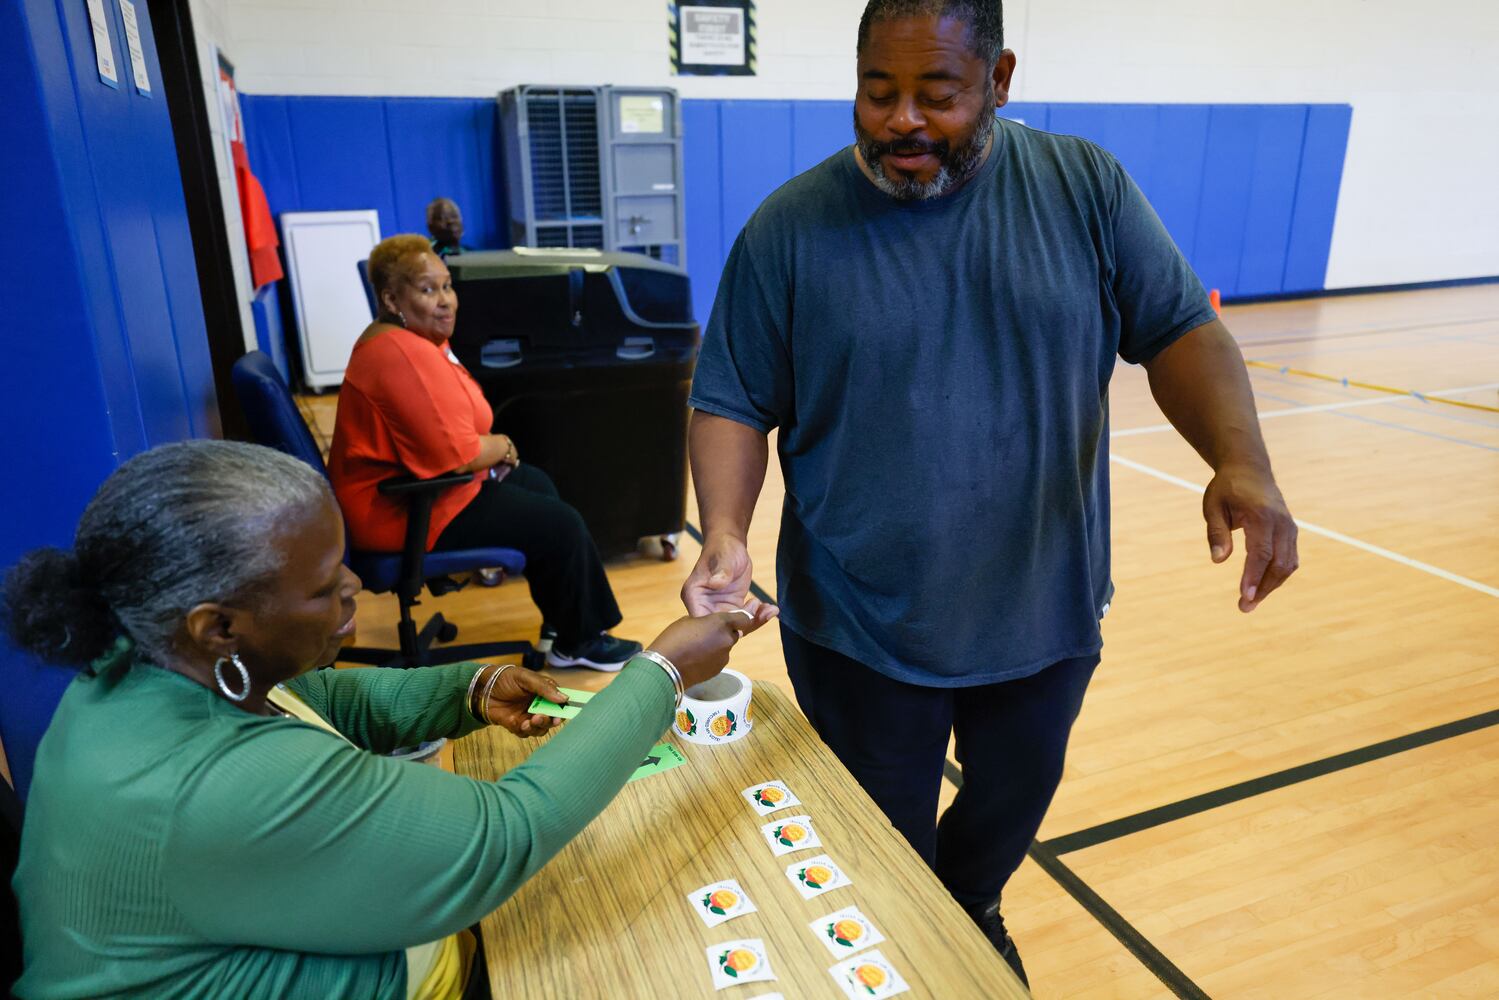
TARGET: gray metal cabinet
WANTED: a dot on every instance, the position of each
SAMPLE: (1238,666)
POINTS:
(595,166)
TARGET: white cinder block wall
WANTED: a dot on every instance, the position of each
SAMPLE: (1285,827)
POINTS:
(1419,199)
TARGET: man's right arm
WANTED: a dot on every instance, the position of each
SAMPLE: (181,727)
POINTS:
(728,470)
(741,390)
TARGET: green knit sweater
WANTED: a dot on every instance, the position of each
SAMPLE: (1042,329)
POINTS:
(176,846)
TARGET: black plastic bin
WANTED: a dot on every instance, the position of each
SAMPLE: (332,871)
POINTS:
(587,359)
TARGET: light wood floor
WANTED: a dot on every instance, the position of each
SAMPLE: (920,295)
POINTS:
(1378,880)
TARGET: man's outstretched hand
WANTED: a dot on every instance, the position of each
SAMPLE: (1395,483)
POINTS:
(721,579)
(1245,496)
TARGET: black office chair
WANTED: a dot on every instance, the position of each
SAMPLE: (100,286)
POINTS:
(10,917)
(274,421)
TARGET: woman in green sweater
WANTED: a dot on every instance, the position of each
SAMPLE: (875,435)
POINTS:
(206,819)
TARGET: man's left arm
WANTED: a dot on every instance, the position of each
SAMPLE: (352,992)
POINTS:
(1202,386)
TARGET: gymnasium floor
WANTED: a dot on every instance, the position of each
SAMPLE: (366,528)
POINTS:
(1296,803)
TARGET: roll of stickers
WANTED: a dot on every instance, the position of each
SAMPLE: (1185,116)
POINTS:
(716,711)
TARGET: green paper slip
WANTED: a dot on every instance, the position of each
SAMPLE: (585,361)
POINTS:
(663,757)
(575,702)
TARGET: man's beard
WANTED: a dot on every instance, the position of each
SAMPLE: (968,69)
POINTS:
(955,164)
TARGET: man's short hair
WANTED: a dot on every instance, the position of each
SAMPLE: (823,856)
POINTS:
(985,20)
(436,205)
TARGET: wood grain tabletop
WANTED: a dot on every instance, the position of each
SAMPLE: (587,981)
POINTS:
(609,916)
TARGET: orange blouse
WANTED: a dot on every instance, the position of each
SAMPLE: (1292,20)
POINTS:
(406,406)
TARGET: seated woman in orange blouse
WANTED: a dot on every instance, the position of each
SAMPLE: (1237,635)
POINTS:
(408,406)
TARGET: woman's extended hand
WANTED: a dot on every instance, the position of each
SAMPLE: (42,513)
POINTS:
(512,696)
(700,646)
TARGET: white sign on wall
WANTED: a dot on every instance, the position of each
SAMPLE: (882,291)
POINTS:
(133,43)
(104,50)
(712,36)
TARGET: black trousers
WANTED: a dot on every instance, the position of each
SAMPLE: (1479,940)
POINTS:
(563,566)
(892,736)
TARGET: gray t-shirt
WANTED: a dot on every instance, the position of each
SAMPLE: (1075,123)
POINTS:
(939,373)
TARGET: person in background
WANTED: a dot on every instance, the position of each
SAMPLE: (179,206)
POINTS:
(408,406)
(931,317)
(445,223)
(212,817)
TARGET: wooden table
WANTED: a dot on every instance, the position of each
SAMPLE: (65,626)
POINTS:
(609,918)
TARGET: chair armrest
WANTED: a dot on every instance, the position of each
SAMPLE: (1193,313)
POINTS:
(406,485)
(419,495)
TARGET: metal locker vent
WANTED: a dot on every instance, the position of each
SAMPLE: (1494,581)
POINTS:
(596,167)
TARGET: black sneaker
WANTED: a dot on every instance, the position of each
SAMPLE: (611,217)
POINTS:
(993,926)
(604,653)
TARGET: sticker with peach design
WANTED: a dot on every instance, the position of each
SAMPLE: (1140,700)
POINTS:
(770,796)
(720,901)
(869,976)
(734,962)
(816,875)
(723,725)
(846,931)
(791,833)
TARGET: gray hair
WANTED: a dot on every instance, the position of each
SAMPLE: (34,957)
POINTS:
(174,527)
(985,20)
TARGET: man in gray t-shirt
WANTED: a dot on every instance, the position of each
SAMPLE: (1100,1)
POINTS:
(931,317)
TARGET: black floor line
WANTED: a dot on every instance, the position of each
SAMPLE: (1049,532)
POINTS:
(1127,825)
(1148,954)
(755,588)
(1159,965)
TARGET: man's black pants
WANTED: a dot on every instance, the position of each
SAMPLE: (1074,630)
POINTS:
(892,736)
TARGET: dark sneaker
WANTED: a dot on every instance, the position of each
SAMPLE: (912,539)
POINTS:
(993,926)
(604,653)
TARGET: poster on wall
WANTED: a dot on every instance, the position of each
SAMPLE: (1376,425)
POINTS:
(712,37)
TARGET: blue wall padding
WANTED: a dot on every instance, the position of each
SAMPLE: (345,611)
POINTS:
(323,154)
(1223,207)
(1316,197)
(1272,196)
(120,360)
(704,201)
(1033,115)
(818,130)
(1176,176)
(755,146)
(265,310)
(1249,192)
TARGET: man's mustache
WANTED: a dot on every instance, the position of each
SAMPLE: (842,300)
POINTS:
(908,147)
